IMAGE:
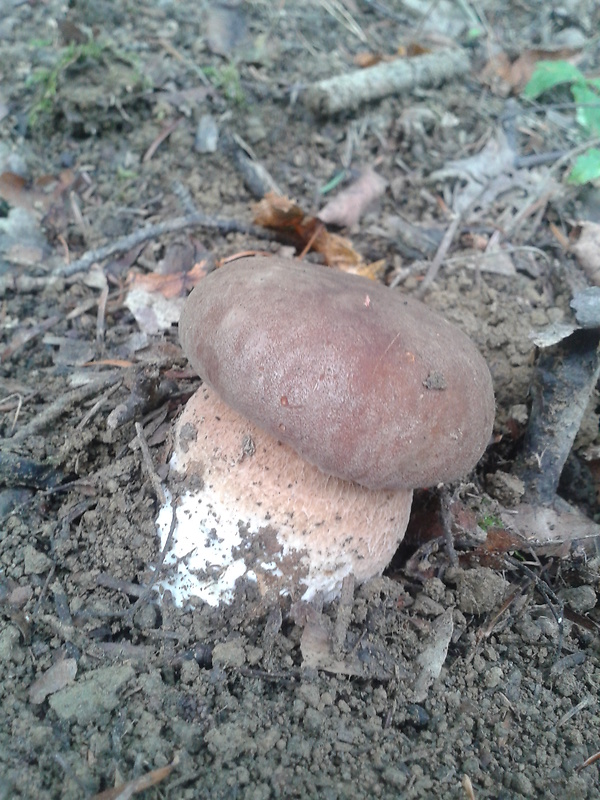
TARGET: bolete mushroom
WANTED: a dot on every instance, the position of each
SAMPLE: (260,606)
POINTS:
(326,400)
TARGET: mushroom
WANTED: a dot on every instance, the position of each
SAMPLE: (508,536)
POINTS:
(326,400)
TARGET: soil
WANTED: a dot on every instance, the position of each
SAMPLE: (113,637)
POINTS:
(455,670)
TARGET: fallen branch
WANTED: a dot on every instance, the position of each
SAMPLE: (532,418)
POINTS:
(126,243)
(563,382)
(64,402)
(346,92)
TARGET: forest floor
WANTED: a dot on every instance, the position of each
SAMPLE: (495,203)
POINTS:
(467,674)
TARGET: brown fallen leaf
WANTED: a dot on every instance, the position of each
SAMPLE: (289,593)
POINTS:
(366,59)
(52,680)
(156,300)
(587,250)
(305,232)
(505,77)
(351,203)
(176,284)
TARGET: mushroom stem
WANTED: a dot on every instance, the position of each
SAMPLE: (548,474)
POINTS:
(250,506)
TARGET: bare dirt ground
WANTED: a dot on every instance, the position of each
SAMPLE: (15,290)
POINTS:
(475,676)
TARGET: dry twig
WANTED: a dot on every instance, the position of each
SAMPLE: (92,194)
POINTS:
(59,406)
(126,243)
(149,466)
(346,92)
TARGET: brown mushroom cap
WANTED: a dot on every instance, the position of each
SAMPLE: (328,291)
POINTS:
(367,384)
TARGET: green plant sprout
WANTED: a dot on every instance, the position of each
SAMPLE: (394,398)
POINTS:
(490,521)
(46,79)
(227,78)
(586,94)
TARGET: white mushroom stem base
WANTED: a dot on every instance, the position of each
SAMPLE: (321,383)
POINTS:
(250,506)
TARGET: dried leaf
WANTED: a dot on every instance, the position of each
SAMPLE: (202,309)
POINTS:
(504,76)
(432,658)
(55,678)
(153,311)
(495,160)
(351,203)
(554,530)
(177,284)
(156,300)
(363,659)
(364,59)
(305,232)
(18,192)
(587,250)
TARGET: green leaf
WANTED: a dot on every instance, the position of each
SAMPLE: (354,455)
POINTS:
(549,74)
(588,113)
(586,167)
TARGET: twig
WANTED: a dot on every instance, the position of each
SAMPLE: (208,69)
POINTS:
(149,466)
(346,92)
(435,265)
(588,762)
(159,565)
(101,318)
(548,595)
(59,406)
(98,405)
(446,517)
(563,382)
(153,231)
(343,615)
(164,134)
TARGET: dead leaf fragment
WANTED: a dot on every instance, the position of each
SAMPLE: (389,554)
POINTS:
(156,300)
(554,530)
(351,203)
(432,658)
(505,77)
(55,678)
(587,250)
(176,284)
(305,232)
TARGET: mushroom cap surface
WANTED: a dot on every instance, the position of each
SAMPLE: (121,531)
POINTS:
(251,505)
(364,382)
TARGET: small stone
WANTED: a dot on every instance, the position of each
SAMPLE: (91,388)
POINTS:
(229,654)
(8,643)
(189,671)
(479,590)
(493,677)
(427,607)
(95,693)
(519,413)
(506,488)
(310,694)
(36,563)
(255,130)
(395,777)
(435,589)
(521,783)
(207,135)
(580,598)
